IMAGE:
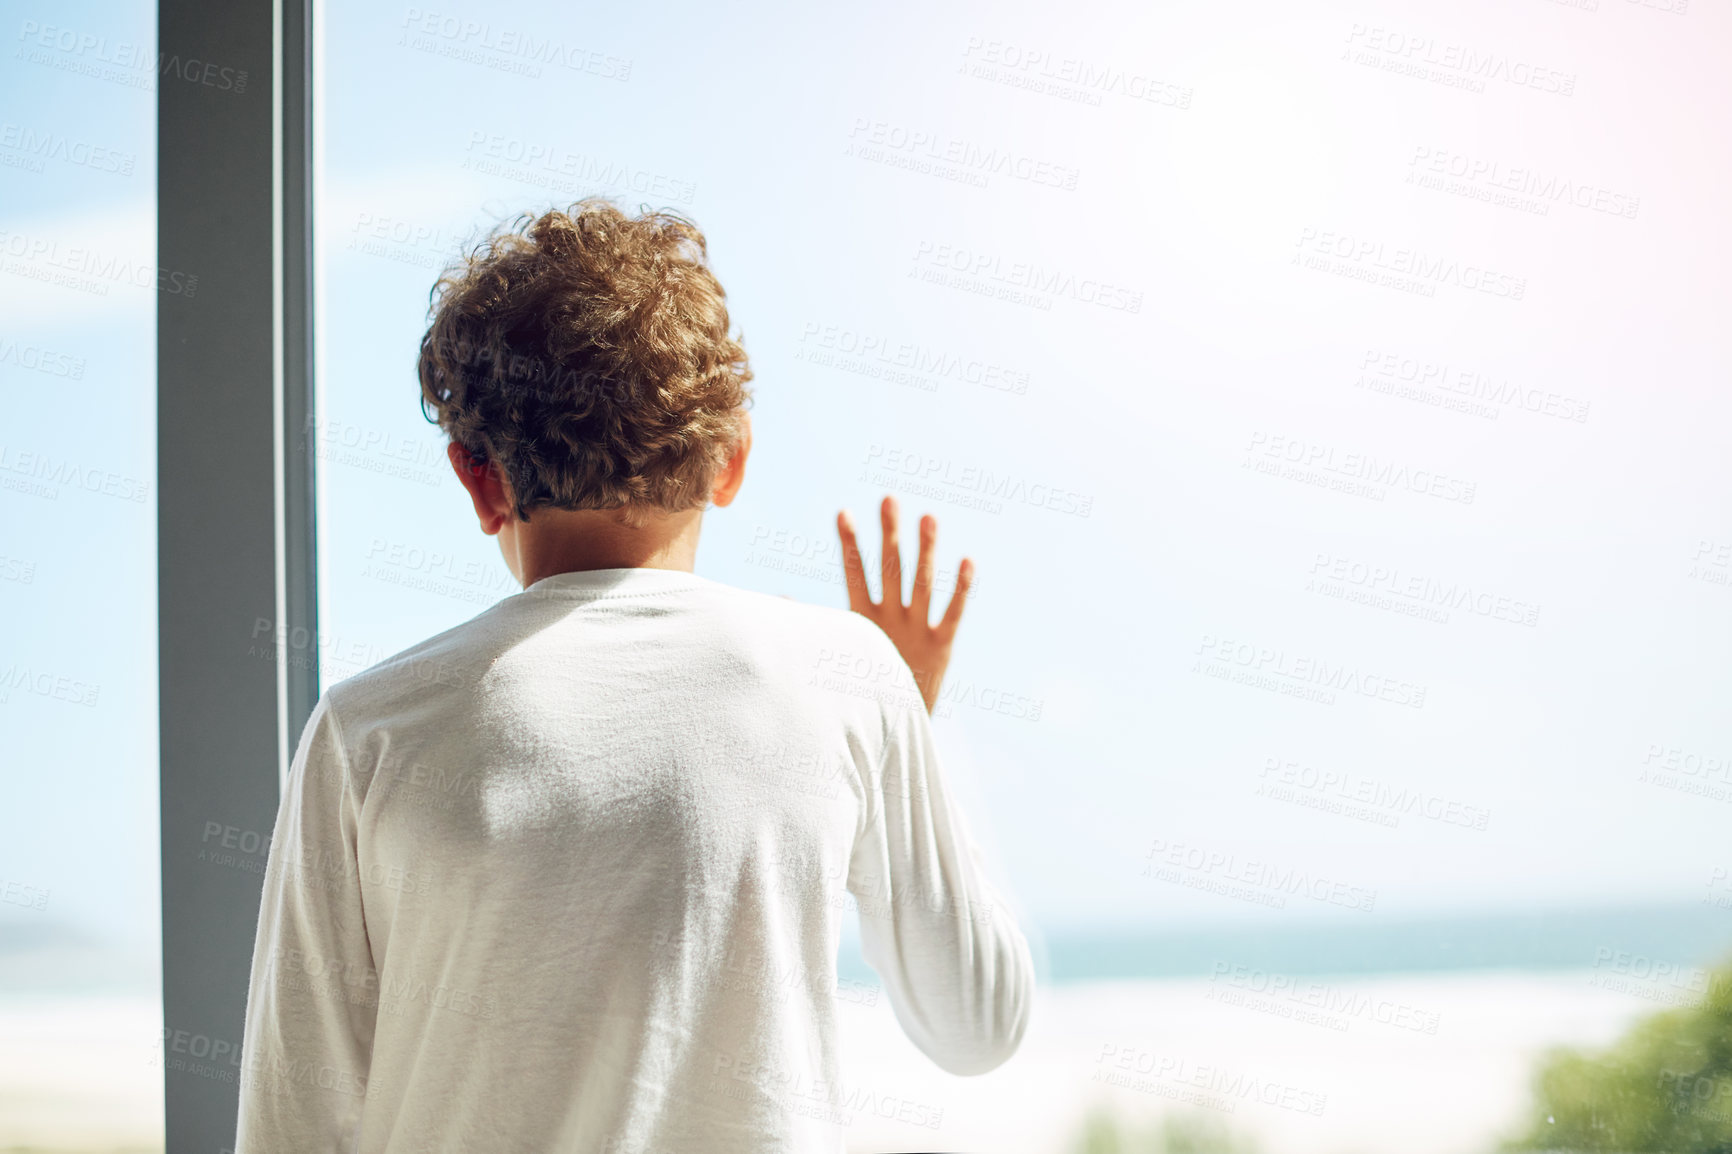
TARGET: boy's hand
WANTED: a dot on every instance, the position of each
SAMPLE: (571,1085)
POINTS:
(925,647)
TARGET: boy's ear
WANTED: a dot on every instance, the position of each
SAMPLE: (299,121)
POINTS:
(733,474)
(485,485)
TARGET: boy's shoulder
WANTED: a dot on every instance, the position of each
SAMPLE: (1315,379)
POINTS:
(813,620)
(456,658)
(845,651)
(447,659)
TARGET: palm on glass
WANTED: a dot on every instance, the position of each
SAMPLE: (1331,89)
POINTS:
(924,646)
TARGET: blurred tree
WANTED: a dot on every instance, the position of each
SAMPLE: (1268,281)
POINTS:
(1105,1132)
(1666,1086)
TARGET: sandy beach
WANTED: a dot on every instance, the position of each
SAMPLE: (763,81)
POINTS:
(1436,1064)
(1423,1064)
(81,1073)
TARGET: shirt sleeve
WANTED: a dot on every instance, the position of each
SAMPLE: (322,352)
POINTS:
(313,998)
(956,967)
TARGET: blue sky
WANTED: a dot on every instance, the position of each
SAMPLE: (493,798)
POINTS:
(1379,348)
(78,574)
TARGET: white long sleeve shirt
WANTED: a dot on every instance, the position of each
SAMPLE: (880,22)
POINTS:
(571,877)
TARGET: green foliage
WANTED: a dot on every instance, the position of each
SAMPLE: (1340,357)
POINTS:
(1104,1132)
(1663,1088)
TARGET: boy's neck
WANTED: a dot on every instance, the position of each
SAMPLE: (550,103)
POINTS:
(573,540)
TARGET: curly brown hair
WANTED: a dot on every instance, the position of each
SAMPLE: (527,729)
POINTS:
(586,354)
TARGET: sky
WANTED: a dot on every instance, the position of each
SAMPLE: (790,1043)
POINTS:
(79,845)
(1331,404)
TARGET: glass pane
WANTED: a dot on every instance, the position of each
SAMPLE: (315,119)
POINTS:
(1331,404)
(80,902)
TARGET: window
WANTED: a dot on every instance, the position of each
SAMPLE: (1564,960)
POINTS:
(1327,399)
(80,919)
(1330,403)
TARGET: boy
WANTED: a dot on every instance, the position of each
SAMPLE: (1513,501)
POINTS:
(569,876)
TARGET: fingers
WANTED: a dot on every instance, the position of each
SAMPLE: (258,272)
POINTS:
(920,605)
(946,629)
(890,571)
(854,574)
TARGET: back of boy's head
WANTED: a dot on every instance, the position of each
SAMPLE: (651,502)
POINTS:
(586,355)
